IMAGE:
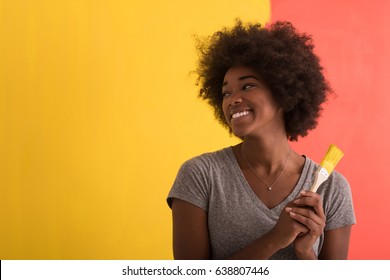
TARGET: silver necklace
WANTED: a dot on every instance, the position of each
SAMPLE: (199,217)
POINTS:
(269,187)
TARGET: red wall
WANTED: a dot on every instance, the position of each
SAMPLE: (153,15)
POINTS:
(352,39)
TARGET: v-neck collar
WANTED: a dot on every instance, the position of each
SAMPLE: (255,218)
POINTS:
(257,201)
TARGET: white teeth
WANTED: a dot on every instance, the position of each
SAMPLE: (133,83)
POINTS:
(240,114)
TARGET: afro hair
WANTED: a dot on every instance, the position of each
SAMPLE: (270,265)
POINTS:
(283,58)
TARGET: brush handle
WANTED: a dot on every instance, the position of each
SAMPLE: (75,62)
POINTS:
(320,176)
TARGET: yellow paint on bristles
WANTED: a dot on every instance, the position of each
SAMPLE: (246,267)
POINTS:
(332,158)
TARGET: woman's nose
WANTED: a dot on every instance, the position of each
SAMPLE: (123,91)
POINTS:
(236,99)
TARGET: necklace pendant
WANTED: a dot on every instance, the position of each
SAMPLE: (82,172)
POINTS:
(269,187)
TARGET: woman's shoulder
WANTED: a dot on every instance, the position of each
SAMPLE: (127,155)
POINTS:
(209,159)
(336,185)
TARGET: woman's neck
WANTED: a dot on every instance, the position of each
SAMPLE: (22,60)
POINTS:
(269,153)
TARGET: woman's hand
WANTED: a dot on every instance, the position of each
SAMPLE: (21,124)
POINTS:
(307,210)
(287,229)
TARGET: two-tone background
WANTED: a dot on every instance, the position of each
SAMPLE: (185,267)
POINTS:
(98,110)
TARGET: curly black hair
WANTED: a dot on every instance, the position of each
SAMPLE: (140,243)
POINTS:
(281,56)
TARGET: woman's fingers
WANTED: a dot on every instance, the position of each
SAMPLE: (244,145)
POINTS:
(312,200)
(308,218)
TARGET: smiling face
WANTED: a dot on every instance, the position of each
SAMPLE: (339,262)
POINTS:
(248,105)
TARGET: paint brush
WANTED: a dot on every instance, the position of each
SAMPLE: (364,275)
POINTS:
(326,167)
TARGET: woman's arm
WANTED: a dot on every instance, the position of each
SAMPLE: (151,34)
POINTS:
(336,244)
(191,237)
(190,232)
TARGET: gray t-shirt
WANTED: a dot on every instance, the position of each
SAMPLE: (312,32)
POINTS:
(236,216)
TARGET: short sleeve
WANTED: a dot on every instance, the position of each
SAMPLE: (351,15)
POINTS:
(338,203)
(191,184)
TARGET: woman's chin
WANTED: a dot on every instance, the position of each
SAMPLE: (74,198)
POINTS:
(239,134)
(239,131)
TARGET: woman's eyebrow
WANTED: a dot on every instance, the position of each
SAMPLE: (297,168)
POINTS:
(248,77)
(242,78)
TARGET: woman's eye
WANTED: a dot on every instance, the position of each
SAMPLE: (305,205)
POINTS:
(249,86)
(225,94)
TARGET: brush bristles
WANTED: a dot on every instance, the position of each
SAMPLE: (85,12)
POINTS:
(331,159)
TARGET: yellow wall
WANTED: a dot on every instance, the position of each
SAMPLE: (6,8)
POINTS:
(97,112)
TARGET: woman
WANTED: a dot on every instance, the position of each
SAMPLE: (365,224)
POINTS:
(251,201)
